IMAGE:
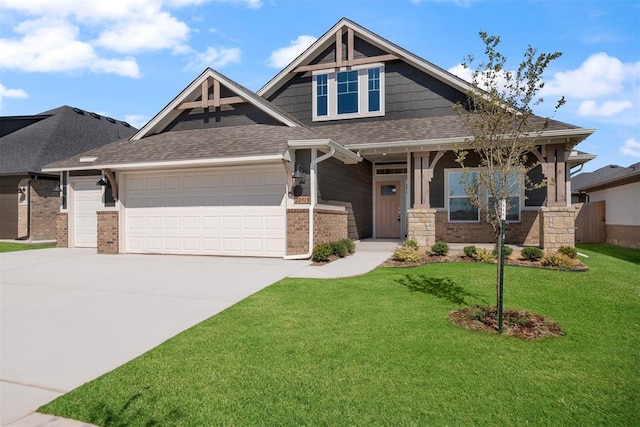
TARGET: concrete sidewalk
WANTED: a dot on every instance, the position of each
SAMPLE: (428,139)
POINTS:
(70,315)
(369,254)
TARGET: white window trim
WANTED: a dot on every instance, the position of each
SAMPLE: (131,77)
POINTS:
(363,93)
(483,194)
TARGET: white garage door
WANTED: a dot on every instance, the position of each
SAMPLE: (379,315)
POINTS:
(87,200)
(226,211)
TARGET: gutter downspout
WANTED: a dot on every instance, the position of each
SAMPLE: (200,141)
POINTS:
(28,235)
(314,198)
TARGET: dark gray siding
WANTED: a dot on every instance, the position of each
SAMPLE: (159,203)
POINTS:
(349,186)
(226,115)
(538,196)
(344,185)
(9,206)
(409,92)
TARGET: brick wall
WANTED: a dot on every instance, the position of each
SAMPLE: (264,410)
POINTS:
(557,227)
(627,236)
(62,230)
(525,232)
(421,226)
(329,226)
(108,232)
(44,204)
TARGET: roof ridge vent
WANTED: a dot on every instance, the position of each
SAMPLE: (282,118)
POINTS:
(110,120)
(126,124)
(77,110)
(95,115)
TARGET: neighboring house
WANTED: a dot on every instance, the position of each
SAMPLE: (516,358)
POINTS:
(29,198)
(619,188)
(356,131)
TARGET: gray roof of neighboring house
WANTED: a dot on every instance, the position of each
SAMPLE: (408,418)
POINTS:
(232,141)
(605,176)
(59,134)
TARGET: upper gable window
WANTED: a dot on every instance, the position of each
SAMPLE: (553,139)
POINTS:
(348,94)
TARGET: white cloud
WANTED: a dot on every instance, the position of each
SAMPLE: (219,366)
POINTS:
(600,75)
(462,72)
(606,109)
(282,57)
(51,44)
(153,32)
(215,58)
(11,93)
(136,120)
(631,148)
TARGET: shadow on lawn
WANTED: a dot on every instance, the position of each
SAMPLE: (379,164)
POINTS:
(443,288)
(134,411)
(625,254)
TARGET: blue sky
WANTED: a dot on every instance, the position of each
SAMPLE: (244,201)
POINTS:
(128,58)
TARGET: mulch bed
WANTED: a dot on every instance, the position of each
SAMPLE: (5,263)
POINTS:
(512,260)
(516,323)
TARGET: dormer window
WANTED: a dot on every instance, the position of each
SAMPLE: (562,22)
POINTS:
(354,93)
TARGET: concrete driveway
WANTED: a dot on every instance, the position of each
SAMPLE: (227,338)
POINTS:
(70,315)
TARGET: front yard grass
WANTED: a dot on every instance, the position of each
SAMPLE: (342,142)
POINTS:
(370,351)
(12,247)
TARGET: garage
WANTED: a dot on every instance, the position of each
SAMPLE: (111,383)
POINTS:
(235,211)
(86,200)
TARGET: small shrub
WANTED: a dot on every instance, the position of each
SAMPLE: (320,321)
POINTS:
(410,243)
(532,253)
(470,251)
(342,248)
(484,255)
(322,252)
(507,251)
(440,248)
(405,254)
(557,260)
(569,251)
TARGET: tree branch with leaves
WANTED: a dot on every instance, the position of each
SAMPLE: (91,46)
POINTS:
(502,126)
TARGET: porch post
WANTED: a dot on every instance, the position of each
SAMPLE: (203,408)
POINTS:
(421,219)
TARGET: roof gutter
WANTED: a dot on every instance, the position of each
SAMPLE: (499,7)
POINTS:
(220,161)
(448,143)
(341,153)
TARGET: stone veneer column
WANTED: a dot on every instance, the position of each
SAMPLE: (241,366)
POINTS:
(421,226)
(62,230)
(557,227)
(108,232)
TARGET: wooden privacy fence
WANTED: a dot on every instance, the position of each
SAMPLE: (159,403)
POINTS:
(590,222)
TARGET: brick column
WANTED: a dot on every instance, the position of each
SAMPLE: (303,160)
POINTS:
(108,232)
(62,230)
(421,226)
(297,231)
(557,227)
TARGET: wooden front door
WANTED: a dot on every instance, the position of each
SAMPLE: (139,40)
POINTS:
(388,198)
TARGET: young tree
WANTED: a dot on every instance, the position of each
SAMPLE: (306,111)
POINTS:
(503,130)
(502,126)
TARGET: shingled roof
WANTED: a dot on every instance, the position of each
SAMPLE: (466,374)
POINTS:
(233,141)
(605,177)
(56,135)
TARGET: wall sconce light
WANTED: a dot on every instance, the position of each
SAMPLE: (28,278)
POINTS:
(102,181)
(298,176)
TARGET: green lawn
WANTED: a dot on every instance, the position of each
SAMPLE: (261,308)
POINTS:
(12,247)
(368,351)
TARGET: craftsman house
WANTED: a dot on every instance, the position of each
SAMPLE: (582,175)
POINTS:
(29,198)
(353,138)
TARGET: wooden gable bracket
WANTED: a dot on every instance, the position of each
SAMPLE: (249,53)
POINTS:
(112,180)
(211,101)
(350,61)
